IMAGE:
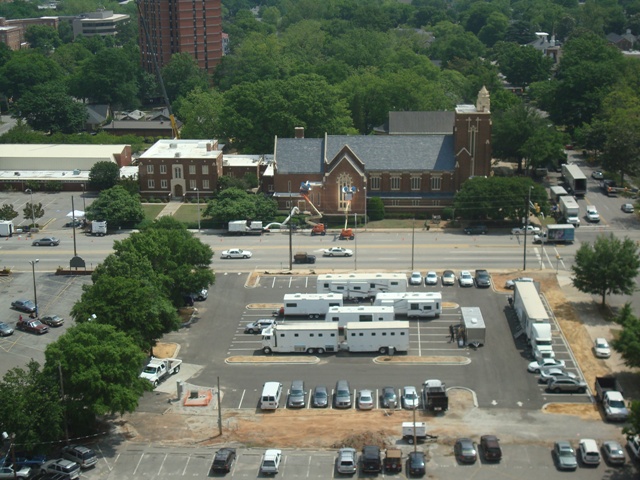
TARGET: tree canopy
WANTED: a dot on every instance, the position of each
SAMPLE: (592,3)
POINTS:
(235,204)
(103,175)
(118,207)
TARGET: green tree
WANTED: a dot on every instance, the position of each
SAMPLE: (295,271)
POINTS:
(608,266)
(117,206)
(183,75)
(545,147)
(32,211)
(7,212)
(627,342)
(199,111)
(375,209)
(453,42)
(48,108)
(495,29)
(43,38)
(235,204)
(512,129)
(70,55)
(100,369)
(522,65)
(26,69)
(103,175)
(30,406)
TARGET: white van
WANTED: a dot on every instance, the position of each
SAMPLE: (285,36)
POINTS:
(589,452)
(271,393)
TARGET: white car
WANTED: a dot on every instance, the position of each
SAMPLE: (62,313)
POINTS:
(511,284)
(431,278)
(236,253)
(592,214)
(365,400)
(601,348)
(415,279)
(465,279)
(531,229)
(337,252)
(410,399)
(271,461)
(537,365)
(627,208)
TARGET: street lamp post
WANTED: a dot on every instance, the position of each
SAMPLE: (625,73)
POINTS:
(35,292)
(526,228)
(33,217)
(198,200)
(84,202)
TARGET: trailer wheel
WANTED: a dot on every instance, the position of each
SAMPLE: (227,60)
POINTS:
(410,440)
(382,350)
(320,351)
(266,350)
(311,350)
(176,370)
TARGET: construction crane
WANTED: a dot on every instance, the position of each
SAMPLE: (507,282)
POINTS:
(317,228)
(156,66)
(347,233)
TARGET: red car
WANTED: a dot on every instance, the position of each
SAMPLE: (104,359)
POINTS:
(32,326)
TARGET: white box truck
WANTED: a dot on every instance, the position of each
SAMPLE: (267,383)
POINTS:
(343,315)
(96,228)
(245,227)
(412,304)
(310,337)
(6,228)
(381,337)
(570,210)
(312,305)
(473,327)
(533,317)
(574,179)
(361,285)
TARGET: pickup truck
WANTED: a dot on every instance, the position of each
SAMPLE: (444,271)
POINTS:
(434,395)
(32,326)
(158,369)
(609,394)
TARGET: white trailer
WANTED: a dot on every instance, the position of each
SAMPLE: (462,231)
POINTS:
(412,304)
(381,337)
(575,179)
(312,305)
(473,327)
(245,227)
(362,285)
(343,315)
(570,210)
(311,337)
(532,315)
(6,228)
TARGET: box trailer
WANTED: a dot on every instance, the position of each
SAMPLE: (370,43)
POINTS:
(312,305)
(6,228)
(473,327)
(311,337)
(381,337)
(570,210)
(245,227)
(362,285)
(574,179)
(412,304)
(533,317)
(361,313)
(563,233)
(556,192)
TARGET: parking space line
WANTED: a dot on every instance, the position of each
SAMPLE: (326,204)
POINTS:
(309,466)
(241,398)
(184,471)
(162,464)
(419,342)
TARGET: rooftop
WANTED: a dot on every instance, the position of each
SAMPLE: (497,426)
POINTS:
(182,148)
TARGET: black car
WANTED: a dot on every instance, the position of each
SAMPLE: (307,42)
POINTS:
(416,464)
(476,230)
(483,279)
(371,461)
(223,460)
(24,306)
(490,447)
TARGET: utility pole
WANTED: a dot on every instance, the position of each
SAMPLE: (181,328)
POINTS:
(526,228)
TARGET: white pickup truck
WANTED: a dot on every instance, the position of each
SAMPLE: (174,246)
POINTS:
(159,369)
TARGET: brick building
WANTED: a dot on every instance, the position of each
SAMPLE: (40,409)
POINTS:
(417,167)
(182,26)
(12,31)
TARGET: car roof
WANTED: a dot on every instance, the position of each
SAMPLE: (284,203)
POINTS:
(564,444)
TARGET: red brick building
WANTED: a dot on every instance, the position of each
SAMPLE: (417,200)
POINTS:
(182,26)
(12,31)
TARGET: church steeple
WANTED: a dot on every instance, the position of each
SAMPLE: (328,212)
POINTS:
(483,103)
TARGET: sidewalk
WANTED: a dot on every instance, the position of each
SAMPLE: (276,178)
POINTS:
(170,208)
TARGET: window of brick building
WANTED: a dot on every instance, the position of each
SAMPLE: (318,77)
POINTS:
(374,183)
(436,183)
(395,183)
(164,184)
(149,169)
(151,183)
(163,169)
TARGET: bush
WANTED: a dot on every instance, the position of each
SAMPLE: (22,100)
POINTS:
(375,209)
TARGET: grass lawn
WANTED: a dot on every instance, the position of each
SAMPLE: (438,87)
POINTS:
(151,211)
(396,223)
(188,213)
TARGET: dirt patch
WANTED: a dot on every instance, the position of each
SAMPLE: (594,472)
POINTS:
(584,411)
(165,350)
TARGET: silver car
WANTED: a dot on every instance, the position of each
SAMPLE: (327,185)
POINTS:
(566,384)
(613,452)
(297,395)
(347,461)
(5,330)
(565,455)
(448,277)
(410,399)
(547,373)
(365,400)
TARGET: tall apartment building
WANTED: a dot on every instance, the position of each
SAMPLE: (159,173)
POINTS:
(177,26)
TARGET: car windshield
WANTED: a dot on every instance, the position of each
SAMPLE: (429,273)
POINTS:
(602,345)
(268,463)
(365,398)
(566,453)
(321,394)
(410,395)
(297,392)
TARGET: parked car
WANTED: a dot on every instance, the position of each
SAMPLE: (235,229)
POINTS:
(476,230)
(530,229)
(416,464)
(613,453)
(259,325)
(564,455)
(592,214)
(271,461)
(347,461)
(26,459)
(46,242)
(537,365)
(483,279)
(61,468)
(431,278)
(627,207)
(32,326)
(24,306)
(389,397)
(342,395)
(511,284)
(633,443)
(320,397)
(297,395)
(201,296)
(601,348)
(490,446)
(365,400)
(465,279)
(448,277)
(337,252)
(77,223)
(465,450)
(83,456)
(566,384)
(7,472)
(410,398)
(547,373)
(5,330)
(223,461)
(415,278)
(589,452)
(370,458)
(52,320)
(236,253)
(597,175)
